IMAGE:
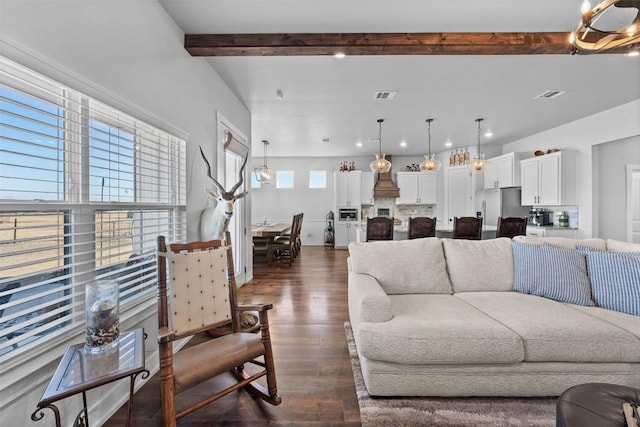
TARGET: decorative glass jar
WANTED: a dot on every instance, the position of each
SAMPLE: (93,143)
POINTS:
(103,315)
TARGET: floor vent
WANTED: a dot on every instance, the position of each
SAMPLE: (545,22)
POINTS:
(385,94)
(551,94)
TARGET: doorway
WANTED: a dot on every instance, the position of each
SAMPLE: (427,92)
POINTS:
(230,157)
(633,203)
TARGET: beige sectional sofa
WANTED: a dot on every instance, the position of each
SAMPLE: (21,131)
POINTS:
(440,317)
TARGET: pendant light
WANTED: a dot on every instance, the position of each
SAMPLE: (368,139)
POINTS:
(479,163)
(263,174)
(380,164)
(430,163)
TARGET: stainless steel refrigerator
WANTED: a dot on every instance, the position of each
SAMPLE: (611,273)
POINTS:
(503,202)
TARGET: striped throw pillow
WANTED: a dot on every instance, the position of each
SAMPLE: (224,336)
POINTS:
(615,280)
(551,272)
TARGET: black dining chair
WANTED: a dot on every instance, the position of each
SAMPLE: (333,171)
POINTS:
(467,227)
(379,228)
(511,227)
(421,226)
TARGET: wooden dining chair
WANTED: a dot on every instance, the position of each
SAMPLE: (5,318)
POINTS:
(511,227)
(421,226)
(202,297)
(379,228)
(467,227)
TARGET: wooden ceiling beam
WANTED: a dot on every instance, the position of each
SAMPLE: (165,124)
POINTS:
(313,44)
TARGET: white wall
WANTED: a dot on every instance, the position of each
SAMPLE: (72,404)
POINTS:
(609,161)
(581,135)
(128,54)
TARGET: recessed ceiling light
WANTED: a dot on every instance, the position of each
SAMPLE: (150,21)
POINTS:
(488,134)
(403,144)
(633,53)
(339,55)
(448,144)
(358,144)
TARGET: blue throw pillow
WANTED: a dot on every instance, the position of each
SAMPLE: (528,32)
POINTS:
(615,280)
(551,272)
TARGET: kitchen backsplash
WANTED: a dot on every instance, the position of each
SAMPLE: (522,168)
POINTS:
(401,212)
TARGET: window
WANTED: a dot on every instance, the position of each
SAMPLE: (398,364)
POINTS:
(317,179)
(284,179)
(254,180)
(85,192)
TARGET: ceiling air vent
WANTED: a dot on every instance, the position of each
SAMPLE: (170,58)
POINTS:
(325,140)
(385,94)
(551,94)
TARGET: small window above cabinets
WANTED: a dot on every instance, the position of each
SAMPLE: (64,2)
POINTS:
(503,171)
(417,188)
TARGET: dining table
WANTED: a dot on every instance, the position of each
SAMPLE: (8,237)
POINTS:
(269,230)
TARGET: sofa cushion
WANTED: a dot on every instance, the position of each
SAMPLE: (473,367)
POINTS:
(556,332)
(552,272)
(438,329)
(615,280)
(403,266)
(620,246)
(562,242)
(479,265)
(628,322)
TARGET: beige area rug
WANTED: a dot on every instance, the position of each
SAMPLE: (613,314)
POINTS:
(448,412)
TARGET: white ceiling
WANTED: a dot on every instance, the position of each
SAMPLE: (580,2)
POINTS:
(325,97)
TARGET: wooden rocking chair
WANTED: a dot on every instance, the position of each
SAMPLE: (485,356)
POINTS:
(202,296)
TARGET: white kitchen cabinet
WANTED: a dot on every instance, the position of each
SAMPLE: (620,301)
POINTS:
(347,187)
(549,180)
(417,188)
(460,190)
(503,171)
(366,188)
(345,233)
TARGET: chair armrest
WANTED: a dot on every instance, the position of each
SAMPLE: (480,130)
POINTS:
(165,335)
(254,307)
(368,302)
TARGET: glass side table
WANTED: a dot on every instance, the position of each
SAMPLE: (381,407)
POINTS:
(79,371)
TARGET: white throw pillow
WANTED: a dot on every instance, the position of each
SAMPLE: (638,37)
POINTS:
(403,266)
(479,265)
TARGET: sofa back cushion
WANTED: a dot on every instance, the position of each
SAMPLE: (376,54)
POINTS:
(403,266)
(615,280)
(479,265)
(552,272)
(620,246)
(563,242)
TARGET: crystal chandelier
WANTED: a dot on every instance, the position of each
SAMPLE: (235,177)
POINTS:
(586,38)
(430,163)
(479,163)
(263,174)
(380,164)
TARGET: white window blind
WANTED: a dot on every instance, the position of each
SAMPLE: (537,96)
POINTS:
(84,190)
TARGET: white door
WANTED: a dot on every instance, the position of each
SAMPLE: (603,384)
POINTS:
(459,185)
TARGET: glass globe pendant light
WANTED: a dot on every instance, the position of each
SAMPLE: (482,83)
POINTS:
(479,163)
(380,164)
(263,174)
(430,163)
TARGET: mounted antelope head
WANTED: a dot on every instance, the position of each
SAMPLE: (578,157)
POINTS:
(214,221)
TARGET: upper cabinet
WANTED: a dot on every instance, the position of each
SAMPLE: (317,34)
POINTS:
(347,188)
(503,171)
(549,180)
(366,188)
(417,188)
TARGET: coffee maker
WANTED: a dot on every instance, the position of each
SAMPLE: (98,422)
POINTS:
(539,216)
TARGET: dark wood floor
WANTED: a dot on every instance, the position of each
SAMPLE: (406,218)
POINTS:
(312,360)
